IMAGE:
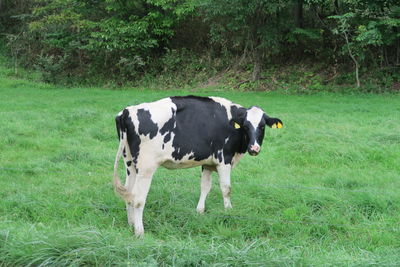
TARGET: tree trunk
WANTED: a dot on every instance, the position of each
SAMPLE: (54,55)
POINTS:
(15,64)
(353,58)
(357,75)
(299,13)
(385,53)
(336,4)
(257,61)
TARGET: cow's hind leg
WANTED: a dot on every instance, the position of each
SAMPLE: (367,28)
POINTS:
(140,190)
(206,183)
(129,182)
(224,172)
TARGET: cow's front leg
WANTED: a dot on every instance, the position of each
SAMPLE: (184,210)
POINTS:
(224,172)
(140,190)
(205,189)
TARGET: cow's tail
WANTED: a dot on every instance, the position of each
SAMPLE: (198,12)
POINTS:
(118,187)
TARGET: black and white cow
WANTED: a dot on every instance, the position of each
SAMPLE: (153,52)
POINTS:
(184,132)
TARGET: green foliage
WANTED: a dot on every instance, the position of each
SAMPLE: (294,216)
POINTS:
(94,35)
(243,25)
(51,67)
(125,41)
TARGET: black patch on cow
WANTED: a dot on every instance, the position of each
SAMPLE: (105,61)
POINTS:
(125,125)
(128,163)
(128,172)
(146,125)
(202,126)
(118,126)
(260,131)
(168,127)
(167,137)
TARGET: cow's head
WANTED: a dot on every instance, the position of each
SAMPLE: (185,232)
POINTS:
(254,124)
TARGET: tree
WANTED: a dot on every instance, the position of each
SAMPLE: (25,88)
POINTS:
(355,52)
(110,35)
(240,25)
(373,25)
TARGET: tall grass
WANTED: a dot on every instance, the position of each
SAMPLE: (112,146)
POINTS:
(325,190)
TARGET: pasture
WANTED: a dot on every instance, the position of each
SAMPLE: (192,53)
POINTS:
(325,189)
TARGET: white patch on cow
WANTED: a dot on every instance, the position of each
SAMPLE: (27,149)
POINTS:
(160,111)
(226,104)
(206,183)
(254,116)
(224,173)
(226,140)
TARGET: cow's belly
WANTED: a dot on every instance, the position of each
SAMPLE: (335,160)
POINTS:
(172,165)
(184,164)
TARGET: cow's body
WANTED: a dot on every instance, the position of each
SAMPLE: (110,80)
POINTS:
(184,132)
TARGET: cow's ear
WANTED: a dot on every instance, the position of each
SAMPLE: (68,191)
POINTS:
(273,122)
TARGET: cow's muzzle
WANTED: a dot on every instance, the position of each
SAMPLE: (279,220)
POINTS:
(254,150)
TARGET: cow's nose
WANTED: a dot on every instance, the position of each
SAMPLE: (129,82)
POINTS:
(254,150)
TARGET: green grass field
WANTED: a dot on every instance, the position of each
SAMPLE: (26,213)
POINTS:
(325,191)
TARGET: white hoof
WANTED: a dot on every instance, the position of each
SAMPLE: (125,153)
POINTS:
(200,210)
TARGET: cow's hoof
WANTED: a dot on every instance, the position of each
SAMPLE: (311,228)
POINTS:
(228,207)
(139,234)
(200,211)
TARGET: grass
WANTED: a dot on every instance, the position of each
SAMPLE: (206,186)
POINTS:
(325,191)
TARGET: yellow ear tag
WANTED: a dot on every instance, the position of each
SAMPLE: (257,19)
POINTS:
(273,126)
(236,125)
(279,125)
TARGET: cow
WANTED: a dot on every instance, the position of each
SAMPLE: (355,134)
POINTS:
(184,132)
